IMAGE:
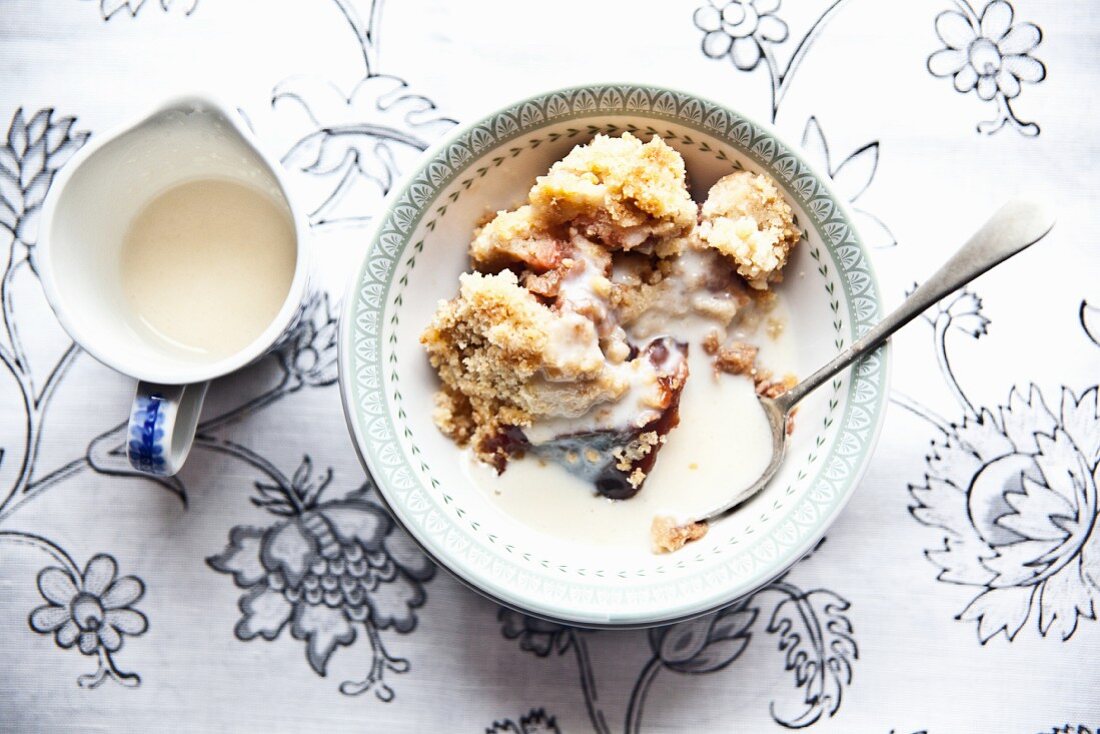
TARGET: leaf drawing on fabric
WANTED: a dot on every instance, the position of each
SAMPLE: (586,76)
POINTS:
(36,146)
(819,648)
(543,638)
(347,149)
(813,632)
(705,644)
(1090,322)
(851,177)
(748,33)
(353,146)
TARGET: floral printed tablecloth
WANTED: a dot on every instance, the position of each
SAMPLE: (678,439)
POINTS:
(958,592)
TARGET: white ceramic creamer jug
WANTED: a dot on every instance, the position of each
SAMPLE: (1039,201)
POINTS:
(88,221)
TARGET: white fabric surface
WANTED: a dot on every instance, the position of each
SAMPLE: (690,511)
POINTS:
(991,444)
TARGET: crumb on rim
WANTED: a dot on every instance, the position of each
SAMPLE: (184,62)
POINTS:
(668,535)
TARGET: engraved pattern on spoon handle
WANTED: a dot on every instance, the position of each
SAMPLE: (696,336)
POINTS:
(1015,226)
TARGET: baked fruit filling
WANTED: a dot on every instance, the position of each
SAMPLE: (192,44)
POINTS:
(563,342)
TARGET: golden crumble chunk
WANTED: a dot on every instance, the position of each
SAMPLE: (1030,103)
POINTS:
(738,358)
(515,238)
(505,358)
(620,192)
(668,535)
(746,219)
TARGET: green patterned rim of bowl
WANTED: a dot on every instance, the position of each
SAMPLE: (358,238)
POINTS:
(372,395)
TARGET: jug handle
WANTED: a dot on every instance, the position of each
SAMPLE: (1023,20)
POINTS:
(162,427)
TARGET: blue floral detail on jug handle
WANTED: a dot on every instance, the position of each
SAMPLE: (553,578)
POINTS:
(147,434)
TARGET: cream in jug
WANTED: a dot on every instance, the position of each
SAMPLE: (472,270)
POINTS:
(206,266)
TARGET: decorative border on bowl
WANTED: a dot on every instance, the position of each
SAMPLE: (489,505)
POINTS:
(391,242)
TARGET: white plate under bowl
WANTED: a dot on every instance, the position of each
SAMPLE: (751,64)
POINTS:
(417,250)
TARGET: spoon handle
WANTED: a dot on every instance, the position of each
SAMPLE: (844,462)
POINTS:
(1014,226)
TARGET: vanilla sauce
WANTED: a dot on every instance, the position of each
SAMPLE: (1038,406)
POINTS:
(206,266)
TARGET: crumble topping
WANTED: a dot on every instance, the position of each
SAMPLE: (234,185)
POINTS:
(620,192)
(746,219)
(515,238)
(639,448)
(770,388)
(737,358)
(700,281)
(504,358)
(668,536)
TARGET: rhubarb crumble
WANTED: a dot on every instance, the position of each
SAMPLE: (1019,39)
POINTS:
(746,219)
(565,340)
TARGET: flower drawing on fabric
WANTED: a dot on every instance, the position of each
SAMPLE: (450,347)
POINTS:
(323,569)
(738,28)
(92,611)
(990,56)
(963,311)
(1015,489)
(748,33)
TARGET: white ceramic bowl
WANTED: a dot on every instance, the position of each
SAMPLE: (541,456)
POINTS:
(418,249)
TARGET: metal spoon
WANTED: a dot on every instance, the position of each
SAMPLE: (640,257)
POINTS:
(1014,226)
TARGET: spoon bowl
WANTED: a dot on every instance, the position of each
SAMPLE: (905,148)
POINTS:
(1013,228)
